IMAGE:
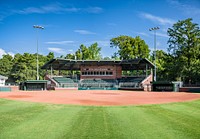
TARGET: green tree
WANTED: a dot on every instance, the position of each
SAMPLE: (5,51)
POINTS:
(70,56)
(50,56)
(93,52)
(24,66)
(184,47)
(164,66)
(129,48)
(115,56)
(78,54)
(84,52)
(6,63)
(106,58)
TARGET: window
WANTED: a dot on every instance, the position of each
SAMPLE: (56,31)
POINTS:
(97,73)
(92,73)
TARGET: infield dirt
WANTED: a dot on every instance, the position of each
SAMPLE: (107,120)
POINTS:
(99,97)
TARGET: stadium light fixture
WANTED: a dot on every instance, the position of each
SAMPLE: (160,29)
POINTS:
(37,27)
(154,53)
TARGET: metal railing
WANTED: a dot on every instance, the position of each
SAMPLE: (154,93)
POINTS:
(129,85)
(68,85)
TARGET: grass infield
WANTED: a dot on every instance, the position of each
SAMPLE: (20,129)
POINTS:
(25,120)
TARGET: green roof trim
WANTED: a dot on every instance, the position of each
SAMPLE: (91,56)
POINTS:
(36,81)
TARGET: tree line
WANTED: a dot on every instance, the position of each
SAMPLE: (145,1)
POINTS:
(180,63)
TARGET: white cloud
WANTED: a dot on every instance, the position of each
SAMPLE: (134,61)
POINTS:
(157,19)
(5,13)
(84,32)
(57,50)
(11,53)
(164,29)
(162,35)
(70,50)
(58,8)
(3,52)
(142,33)
(60,42)
(30,10)
(103,43)
(185,8)
(100,43)
(52,8)
(94,10)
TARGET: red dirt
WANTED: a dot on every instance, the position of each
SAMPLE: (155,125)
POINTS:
(99,97)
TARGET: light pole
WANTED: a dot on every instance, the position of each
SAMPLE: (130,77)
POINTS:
(37,27)
(154,53)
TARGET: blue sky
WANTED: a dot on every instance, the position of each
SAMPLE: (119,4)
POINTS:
(70,23)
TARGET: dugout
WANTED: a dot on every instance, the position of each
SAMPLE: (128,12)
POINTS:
(162,86)
(167,86)
(33,85)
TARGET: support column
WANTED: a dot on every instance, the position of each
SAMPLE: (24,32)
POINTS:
(51,71)
(146,70)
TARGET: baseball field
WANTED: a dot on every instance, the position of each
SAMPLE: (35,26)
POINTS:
(25,119)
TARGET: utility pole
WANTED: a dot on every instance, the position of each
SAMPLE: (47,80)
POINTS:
(154,53)
(37,27)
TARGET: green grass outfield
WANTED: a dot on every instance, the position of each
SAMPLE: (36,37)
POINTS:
(26,120)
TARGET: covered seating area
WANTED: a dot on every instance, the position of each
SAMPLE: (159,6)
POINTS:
(100,74)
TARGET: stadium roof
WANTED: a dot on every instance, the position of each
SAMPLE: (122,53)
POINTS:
(69,64)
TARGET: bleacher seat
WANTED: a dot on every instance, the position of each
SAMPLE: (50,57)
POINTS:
(65,82)
(130,82)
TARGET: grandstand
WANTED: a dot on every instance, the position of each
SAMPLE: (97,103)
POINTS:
(101,74)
